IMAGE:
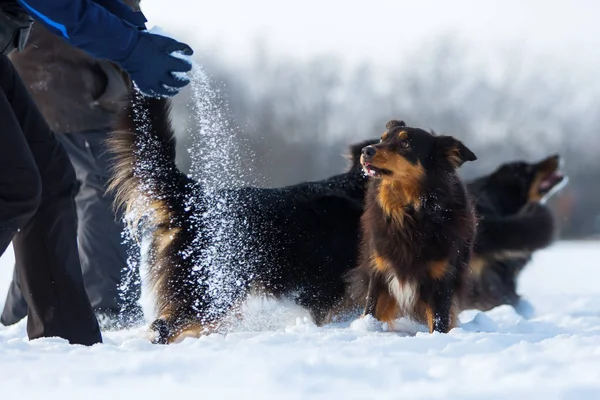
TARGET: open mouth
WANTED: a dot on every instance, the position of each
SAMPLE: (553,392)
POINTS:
(372,171)
(550,181)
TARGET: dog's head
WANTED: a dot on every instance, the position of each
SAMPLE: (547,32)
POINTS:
(355,152)
(517,183)
(405,154)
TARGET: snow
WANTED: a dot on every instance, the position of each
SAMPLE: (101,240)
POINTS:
(275,352)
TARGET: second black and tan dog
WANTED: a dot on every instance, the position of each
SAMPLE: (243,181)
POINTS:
(418,228)
(513,223)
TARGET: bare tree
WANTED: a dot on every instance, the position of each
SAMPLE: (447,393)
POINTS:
(295,119)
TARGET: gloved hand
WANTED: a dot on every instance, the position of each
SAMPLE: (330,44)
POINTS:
(152,66)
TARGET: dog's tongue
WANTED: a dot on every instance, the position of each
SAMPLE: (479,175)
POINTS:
(370,171)
(550,181)
(545,184)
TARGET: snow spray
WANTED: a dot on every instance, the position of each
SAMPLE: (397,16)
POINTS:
(219,253)
(216,165)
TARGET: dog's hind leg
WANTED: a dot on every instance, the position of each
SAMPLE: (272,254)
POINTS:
(380,303)
(373,292)
(177,323)
(166,332)
(193,330)
(319,316)
(172,321)
(162,331)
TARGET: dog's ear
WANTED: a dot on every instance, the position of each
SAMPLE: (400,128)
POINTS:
(394,123)
(454,151)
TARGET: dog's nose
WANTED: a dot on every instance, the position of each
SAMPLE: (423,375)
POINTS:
(368,151)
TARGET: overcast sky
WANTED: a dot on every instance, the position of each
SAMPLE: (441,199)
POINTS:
(381,30)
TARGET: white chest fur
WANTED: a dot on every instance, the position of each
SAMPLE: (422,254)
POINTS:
(406,293)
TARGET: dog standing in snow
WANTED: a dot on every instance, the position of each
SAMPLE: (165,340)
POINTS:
(418,228)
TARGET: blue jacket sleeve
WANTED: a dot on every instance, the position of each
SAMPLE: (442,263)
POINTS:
(123,11)
(86,25)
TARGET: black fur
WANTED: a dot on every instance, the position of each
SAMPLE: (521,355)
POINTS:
(296,241)
(418,228)
(304,237)
(513,224)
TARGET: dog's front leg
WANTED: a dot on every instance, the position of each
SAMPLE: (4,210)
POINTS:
(441,313)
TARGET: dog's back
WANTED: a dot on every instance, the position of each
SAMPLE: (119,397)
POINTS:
(296,241)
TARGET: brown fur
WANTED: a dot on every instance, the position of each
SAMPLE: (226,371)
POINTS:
(136,156)
(417,228)
(387,308)
(438,269)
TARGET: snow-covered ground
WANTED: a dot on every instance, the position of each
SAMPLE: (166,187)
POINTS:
(277,354)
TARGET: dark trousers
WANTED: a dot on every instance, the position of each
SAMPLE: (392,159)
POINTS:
(37,213)
(102,252)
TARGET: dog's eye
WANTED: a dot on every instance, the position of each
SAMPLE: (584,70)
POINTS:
(404,144)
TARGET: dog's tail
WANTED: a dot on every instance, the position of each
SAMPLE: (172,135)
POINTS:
(530,230)
(150,188)
(144,169)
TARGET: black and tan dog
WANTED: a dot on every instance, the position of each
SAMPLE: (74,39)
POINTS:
(513,224)
(417,228)
(303,238)
(295,242)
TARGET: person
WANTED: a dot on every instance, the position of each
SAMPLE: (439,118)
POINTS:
(37,180)
(79,96)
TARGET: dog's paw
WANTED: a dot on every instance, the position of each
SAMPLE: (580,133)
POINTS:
(161,331)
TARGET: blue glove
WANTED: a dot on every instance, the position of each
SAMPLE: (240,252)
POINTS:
(152,67)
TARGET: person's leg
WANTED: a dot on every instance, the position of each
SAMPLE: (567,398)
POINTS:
(45,247)
(20,182)
(102,252)
(15,306)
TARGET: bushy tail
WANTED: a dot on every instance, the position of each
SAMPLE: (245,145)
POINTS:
(144,169)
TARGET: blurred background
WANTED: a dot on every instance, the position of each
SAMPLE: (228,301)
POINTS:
(300,81)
